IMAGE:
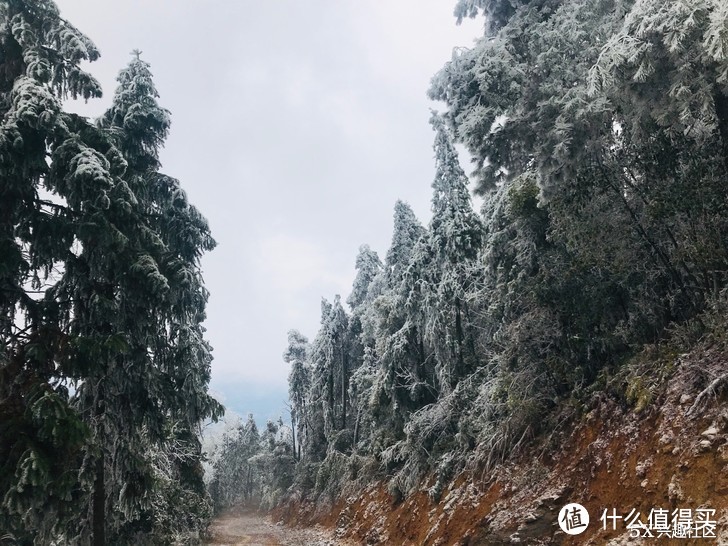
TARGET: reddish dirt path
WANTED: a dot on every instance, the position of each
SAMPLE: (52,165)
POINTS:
(238,527)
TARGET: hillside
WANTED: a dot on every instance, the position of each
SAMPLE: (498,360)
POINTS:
(673,454)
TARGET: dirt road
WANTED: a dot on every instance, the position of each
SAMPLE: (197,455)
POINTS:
(249,528)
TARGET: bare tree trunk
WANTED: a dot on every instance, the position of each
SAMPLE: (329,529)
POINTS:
(721,112)
(293,434)
(344,385)
(460,339)
(99,505)
(356,427)
(330,393)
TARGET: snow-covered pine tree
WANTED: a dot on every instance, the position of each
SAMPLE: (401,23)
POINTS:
(407,230)
(529,118)
(401,382)
(666,68)
(516,104)
(299,383)
(495,12)
(42,189)
(274,462)
(368,265)
(150,287)
(369,283)
(456,234)
(84,249)
(539,142)
(329,377)
(598,129)
(314,444)
(435,349)
(140,125)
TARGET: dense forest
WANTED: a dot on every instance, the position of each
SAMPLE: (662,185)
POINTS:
(104,366)
(599,136)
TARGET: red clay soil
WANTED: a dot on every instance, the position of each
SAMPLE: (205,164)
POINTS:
(612,458)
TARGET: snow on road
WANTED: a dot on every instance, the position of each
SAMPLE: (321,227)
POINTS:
(246,527)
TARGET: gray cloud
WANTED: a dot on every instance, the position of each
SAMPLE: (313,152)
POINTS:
(296,126)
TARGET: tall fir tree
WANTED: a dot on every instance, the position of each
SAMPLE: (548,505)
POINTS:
(329,381)
(104,361)
(299,383)
(42,191)
(368,265)
(153,286)
(406,231)
(403,382)
(456,234)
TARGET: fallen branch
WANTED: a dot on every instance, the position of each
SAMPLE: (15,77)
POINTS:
(710,390)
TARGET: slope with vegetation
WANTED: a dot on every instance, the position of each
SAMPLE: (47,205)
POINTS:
(599,135)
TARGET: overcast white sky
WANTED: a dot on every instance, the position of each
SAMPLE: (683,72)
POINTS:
(295,128)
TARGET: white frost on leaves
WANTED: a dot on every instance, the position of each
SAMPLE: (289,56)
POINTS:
(89,166)
(33,104)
